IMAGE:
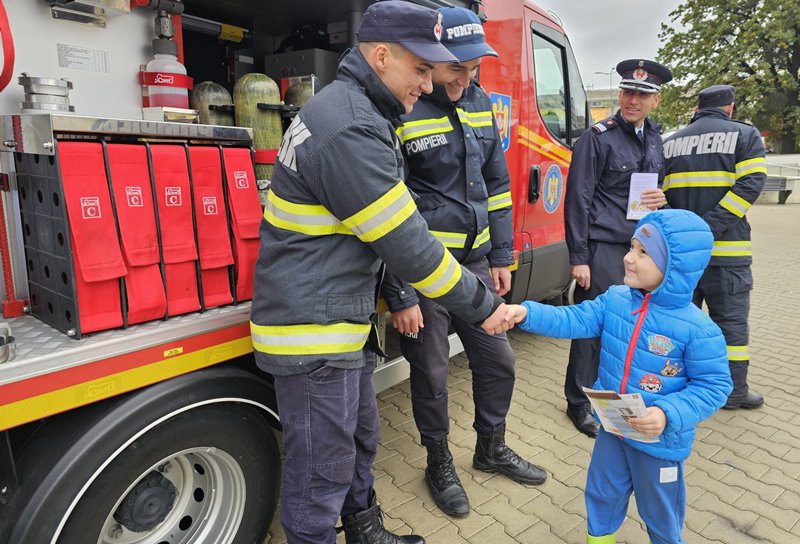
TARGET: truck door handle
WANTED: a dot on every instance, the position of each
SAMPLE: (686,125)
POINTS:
(533,184)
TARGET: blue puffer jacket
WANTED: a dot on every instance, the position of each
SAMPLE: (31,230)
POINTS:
(680,360)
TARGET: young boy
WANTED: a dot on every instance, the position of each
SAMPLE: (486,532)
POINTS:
(654,342)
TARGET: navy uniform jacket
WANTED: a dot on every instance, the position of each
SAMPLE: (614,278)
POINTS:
(458,171)
(337,206)
(715,167)
(599,179)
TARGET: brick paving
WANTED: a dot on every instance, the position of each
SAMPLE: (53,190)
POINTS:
(743,478)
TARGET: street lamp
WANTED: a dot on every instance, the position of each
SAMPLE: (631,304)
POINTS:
(610,88)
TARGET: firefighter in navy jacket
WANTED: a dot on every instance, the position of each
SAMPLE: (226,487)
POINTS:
(716,168)
(337,206)
(595,209)
(458,171)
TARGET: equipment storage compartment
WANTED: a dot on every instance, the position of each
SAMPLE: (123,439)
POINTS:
(104,247)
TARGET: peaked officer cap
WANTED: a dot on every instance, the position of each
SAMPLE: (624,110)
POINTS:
(645,76)
(416,28)
(715,96)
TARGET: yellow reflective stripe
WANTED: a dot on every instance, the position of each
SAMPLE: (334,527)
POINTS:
(382,216)
(503,200)
(423,127)
(311,219)
(751,166)
(481,239)
(732,249)
(450,239)
(709,178)
(475,119)
(738,353)
(442,280)
(735,204)
(309,339)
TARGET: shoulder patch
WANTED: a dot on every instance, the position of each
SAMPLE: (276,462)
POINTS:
(604,125)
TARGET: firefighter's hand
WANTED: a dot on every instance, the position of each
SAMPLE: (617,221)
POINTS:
(516,313)
(501,276)
(497,322)
(653,198)
(582,274)
(408,320)
(652,424)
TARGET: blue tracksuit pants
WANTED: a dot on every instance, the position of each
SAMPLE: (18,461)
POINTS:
(616,471)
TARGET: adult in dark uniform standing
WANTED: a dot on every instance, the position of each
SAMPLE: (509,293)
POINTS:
(336,210)
(595,209)
(458,171)
(716,168)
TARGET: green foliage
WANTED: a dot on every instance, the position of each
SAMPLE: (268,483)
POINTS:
(751,44)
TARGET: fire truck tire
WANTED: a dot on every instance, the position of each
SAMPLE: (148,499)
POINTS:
(179,462)
(206,475)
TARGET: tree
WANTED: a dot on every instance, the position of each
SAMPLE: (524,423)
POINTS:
(751,44)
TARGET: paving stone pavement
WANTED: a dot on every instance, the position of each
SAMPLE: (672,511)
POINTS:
(743,478)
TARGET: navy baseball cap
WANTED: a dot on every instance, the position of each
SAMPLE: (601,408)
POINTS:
(463,34)
(416,28)
(642,75)
(715,96)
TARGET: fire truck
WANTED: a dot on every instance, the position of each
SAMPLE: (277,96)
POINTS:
(162,430)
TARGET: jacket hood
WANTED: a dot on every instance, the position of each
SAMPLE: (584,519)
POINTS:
(689,241)
(355,69)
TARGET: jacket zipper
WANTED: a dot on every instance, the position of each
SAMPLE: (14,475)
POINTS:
(642,311)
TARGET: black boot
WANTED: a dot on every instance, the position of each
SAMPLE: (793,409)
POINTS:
(749,400)
(492,455)
(366,527)
(443,482)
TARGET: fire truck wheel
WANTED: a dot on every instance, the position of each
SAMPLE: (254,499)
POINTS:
(208,474)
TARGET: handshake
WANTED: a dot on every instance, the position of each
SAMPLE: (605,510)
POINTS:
(504,318)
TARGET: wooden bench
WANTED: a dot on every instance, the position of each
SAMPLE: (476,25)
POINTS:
(782,184)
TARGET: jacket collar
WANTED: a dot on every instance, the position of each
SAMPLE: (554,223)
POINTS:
(709,112)
(355,70)
(649,126)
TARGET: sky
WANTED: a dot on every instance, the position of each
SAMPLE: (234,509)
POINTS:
(604,32)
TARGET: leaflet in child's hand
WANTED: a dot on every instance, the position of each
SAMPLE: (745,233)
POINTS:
(614,410)
(640,182)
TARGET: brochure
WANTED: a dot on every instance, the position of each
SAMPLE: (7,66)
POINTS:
(640,182)
(614,410)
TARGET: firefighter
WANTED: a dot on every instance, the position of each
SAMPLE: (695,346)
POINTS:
(595,209)
(336,207)
(458,171)
(716,167)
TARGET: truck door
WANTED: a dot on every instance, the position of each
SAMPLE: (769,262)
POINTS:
(553,115)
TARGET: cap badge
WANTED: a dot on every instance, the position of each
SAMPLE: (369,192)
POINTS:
(640,74)
(437,29)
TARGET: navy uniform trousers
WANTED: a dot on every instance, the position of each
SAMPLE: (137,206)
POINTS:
(726,292)
(491,361)
(330,434)
(607,269)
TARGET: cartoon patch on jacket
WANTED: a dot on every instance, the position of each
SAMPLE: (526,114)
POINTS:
(651,383)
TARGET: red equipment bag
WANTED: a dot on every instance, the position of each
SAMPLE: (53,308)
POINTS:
(93,233)
(213,238)
(133,200)
(245,216)
(176,227)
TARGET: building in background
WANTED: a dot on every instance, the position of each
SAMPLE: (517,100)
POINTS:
(602,103)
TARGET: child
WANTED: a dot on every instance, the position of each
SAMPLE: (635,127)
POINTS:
(654,342)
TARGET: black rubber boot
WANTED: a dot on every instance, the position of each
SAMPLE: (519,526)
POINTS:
(748,401)
(492,455)
(366,527)
(443,482)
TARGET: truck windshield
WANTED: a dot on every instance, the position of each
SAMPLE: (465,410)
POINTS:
(559,89)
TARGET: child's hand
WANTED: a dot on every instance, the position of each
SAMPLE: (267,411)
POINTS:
(516,313)
(652,424)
